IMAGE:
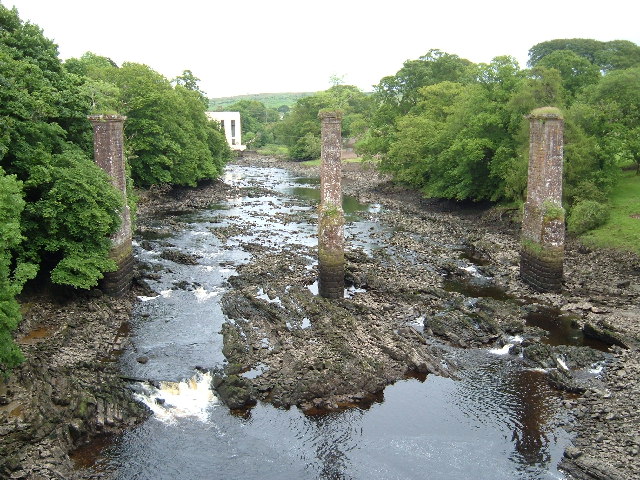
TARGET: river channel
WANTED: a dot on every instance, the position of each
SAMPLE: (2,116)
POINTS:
(497,421)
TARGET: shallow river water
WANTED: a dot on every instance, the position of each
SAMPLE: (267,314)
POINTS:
(498,421)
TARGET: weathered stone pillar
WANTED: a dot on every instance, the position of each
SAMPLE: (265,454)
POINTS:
(108,150)
(543,230)
(331,216)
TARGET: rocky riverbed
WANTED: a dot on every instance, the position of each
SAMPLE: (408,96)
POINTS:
(69,389)
(416,277)
(446,278)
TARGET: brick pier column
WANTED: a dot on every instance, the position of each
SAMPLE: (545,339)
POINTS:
(543,230)
(108,150)
(330,215)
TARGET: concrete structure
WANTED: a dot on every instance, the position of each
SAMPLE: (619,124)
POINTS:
(330,215)
(108,150)
(230,123)
(543,232)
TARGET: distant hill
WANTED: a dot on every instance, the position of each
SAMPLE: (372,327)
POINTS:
(270,100)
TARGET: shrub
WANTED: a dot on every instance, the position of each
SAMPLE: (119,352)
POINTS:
(587,215)
(306,148)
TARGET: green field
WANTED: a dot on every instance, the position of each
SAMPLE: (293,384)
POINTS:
(622,231)
(270,100)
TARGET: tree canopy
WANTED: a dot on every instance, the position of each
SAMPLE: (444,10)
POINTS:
(458,130)
(300,128)
(169,138)
(51,191)
(46,143)
(613,55)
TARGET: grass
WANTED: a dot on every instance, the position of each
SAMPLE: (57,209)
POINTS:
(270,100)
(622,231)
(273,150)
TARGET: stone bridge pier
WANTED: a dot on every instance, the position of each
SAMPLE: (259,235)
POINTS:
(108,150)
(331,215)
(543,231)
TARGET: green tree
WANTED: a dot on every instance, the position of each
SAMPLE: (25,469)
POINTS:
(465,140)
(73,210)
(607,115)
(576,72)
(613,55)
(401,89)
(11,206)
(300,128)
(168,136)
(189,81)
(70,205)
(396,95)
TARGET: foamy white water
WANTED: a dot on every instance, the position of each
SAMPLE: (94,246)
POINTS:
(505,349)
(143,298)
(173,400)
(562,364)
(202,294)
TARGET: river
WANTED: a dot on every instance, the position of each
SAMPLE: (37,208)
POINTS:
(497,421)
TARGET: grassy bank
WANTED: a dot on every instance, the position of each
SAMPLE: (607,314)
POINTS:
(273,150)
(623,228)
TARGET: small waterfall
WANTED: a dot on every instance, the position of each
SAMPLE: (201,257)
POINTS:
(171,400)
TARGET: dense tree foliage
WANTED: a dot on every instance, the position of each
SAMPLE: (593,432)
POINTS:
(51,192)
(396,95)
(401,90)
(458,130)
(257,122)
(613,55)
(45,141)
(168,136)
(11,206)
(300,128)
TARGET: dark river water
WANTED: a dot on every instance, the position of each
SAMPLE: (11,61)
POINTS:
(498,421)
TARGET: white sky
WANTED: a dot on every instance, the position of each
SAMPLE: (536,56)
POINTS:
(257,46)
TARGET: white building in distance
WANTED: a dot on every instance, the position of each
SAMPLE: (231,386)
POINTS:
(230,123)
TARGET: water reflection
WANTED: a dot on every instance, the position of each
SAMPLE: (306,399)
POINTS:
(501,392)
(476,288)
(332,444)
(350,204)
(531,394)
(562,328)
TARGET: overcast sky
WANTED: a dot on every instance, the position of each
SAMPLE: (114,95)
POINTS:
(257,46)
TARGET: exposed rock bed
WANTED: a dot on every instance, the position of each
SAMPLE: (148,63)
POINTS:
(310,351)
(69,390)
(408,286)
(289,347)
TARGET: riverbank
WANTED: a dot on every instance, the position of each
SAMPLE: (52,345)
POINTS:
(69,390)
(447,278)
(600,295)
